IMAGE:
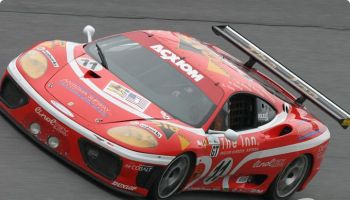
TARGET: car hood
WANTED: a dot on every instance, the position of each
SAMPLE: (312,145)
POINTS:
(95,94)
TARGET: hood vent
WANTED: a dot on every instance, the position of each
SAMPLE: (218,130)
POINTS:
(91,74)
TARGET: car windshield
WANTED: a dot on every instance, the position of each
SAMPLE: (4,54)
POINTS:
(155,79)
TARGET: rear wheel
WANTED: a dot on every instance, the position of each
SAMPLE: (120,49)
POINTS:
(172,178)
(290,179)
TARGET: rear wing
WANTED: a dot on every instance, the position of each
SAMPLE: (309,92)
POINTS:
(308,92)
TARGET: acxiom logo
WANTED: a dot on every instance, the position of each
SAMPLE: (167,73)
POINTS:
(166,54)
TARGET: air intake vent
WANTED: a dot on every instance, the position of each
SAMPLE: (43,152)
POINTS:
(11,94)
(100,160)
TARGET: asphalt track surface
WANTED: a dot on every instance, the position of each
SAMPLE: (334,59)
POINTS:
(312,37)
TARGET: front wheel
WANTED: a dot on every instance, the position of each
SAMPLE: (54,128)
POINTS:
(172,179)
(290,179)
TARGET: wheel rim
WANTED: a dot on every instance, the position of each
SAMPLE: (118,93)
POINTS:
(292,176)
(174,176)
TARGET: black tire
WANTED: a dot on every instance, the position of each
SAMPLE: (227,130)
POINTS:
(175,175)
(290,179)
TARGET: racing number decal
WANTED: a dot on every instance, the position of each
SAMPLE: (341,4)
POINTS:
(206,161)
(220,170)
(214,150)
(89,64)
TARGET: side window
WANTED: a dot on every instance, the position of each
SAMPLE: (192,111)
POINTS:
(242,112)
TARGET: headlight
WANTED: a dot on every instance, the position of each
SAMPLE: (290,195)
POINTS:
(34,64)
(133,136)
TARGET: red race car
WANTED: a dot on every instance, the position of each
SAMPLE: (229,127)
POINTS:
(152,113)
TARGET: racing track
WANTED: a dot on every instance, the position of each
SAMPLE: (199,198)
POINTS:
(313,37)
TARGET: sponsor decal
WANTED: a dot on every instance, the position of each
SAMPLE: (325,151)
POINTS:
(251,191)
(152,130)
(62,108)
(220,170)
(123,186)
(248,144)
(228,144)
(89,98)
(247,141)
(213,67)
(201,143)
(214,150)
(204,189)
(226,153)
(191,44)
(183,142)
(262,56)
(53,122)
(49,56)
(127,96)
(89,64)
(167,129)
(303,87)
(263,117)
(243,141)
(243,179)
(168,55)
(272,163)
(140,168)
(309,135)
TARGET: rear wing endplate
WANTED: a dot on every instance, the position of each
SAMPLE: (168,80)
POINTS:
(308,92)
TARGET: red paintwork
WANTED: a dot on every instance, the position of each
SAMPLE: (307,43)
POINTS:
(230,81)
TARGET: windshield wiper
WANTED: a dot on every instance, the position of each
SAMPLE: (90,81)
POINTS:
(102,56)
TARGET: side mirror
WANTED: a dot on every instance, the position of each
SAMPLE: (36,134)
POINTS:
(89,31)
(229,134)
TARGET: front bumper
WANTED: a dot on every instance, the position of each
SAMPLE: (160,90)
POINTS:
(132,172)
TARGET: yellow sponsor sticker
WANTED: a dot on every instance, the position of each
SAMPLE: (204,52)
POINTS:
(183,142)
(346,122)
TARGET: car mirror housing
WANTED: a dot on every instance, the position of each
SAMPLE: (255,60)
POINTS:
(229,134)
(89,31)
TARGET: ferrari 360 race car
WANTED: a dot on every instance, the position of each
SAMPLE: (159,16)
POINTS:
(152,113)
